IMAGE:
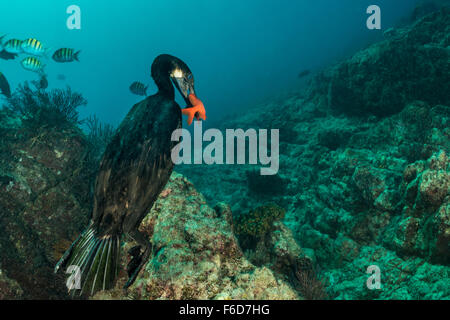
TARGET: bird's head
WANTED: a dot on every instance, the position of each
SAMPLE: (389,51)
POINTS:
(170,67)
(183,79)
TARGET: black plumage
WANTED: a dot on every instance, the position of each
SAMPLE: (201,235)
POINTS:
(135,168)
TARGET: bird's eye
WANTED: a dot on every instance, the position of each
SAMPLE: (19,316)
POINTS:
(189,77)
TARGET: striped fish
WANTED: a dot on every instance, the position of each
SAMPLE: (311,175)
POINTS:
(1,41)
(66,55)
(138,88)
(13,46)
(33,47)
(33,64)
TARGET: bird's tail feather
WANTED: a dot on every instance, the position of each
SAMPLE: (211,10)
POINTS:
(96,259)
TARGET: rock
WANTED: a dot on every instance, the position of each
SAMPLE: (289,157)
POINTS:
(363,178)
(365,84)
(265,184)
(367,179)
(9,289)
(196,255)
(44,204)
(434,186)
(258,222)
(377,186)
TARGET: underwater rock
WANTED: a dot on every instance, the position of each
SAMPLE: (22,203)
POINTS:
(423,228)
(378,193)
(426,7)
(265,184)
(358,191)
(44,203)
(9,289)
(196,255)
(333,139)
(365,84)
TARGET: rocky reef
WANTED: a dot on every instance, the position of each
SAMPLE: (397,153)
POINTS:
(197,256)
(364,166)
(364,181)
(45,203)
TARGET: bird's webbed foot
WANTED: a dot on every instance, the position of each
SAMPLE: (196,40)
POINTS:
(139,256)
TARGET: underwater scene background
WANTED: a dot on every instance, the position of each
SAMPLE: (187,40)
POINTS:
(362,194)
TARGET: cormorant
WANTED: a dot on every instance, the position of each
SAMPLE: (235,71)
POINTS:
(135,168)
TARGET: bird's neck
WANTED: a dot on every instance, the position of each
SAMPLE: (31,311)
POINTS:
(165,87)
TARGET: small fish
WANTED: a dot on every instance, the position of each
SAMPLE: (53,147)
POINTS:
(13,46)
(66,55)
(61,77)
(7,56)
(33,47)
(138,88)
(4,86)
(304,73)
(1,41)
(33,64)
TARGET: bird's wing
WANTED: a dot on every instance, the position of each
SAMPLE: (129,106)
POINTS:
(136,164)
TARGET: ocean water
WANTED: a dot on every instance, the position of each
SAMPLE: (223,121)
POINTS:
(355,206)
(240,51)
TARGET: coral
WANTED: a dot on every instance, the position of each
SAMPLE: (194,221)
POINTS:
(100,134)
(260,221)
(46,201)
(98,137)
(310,287)
(56,108)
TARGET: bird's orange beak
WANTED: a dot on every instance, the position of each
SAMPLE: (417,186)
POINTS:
(197,110)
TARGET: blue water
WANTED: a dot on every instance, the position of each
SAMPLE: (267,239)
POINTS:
(240,52)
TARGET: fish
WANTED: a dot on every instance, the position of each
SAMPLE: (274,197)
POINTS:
(138,88)
(13,46)
(66,55)
(4,86)
(33,64)
(304,73)
(1,41)
(33,47)
(5,55)
(61,77)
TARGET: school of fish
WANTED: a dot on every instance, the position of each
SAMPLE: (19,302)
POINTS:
(34,52)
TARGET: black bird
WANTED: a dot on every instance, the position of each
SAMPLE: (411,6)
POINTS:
(134,170)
